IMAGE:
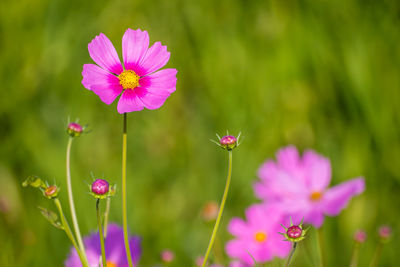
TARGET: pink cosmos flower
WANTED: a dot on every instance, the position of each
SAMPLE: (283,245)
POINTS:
(300,186)
(258,236)
(137,79)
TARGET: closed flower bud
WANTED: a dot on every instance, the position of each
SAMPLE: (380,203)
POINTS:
(228,142)
(294,233)
(385,233)
(167,256)
(100,188)
(74,129)
(51,191)
(360,236)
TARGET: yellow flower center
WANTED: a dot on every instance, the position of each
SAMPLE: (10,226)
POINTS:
(260,237)
(129,79)
(315,196)
(111,264)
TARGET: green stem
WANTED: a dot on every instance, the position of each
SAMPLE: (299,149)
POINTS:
(354,255)
(106,213)
(71,198)
(321,247)
(221,210)
(377,255)
(291,254)
(124,213)
(103,250)
(67,230)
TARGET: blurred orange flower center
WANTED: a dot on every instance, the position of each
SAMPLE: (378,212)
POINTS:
(128,79)
(111,264)
(260,237)
(315,196)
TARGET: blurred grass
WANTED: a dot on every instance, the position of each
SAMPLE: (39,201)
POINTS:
(319,74)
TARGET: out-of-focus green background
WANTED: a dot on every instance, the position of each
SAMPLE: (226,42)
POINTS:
(317,74)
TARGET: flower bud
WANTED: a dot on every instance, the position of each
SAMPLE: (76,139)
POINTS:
(210,211)
(294,233)
(385,233)
(167,256)
(100,188)
(360,236)
(228,142)
(74,129)
(51,191)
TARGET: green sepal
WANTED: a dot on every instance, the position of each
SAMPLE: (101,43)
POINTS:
(35,182)
(51,217)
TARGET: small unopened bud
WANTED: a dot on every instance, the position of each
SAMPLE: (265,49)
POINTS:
(228,142)
(210,211)
(74,129)
(199,261)
(167,256)
(51,191)
(385,232)
(100,188)
(294,233)
(360,236)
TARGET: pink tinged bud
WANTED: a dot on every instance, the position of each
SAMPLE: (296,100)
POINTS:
(294,232)
(51,191)
(199,261)
(228,142)
(360,236)
(74,129)
(167,256)
(385,232)
(100,187)
(210,211)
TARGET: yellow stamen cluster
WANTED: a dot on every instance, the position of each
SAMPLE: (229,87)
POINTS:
(315,196)
(129,79)
(111,264)
(260,237)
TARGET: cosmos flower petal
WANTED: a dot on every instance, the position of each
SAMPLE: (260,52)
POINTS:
(129,102)
(101,82)
(318,170)
(237,227)
(314,217)
(102,52)
(156,57)
(134,46)
(238,250)
(337,197)
(150,100)
(288,157)
(162,82)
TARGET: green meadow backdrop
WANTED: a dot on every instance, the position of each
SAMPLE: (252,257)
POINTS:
(316,74)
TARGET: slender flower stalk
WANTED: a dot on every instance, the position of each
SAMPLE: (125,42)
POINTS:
(103,250)
(71,198)
(291,254)
(67,230)
(214,233)
(385,234)
(106,213)
(321,247)
(360,237)
(124,213)
(377,255)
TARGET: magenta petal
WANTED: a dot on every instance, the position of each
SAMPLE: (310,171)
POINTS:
(129,102)
(156,57)
(237,227)
(102,51)
(162,82)
(337,197)
(318,170)
(101,82)
(134,47)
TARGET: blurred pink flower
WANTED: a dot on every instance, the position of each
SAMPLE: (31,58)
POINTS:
(258,236)
(138,80)
(300,186)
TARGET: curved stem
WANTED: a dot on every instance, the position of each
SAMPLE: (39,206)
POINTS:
(354,255)
(103,250)
(124,213)
(321,247)
(377,255)
(71,199)
(106,213)
(221,209)
(291,254)
(67,230)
